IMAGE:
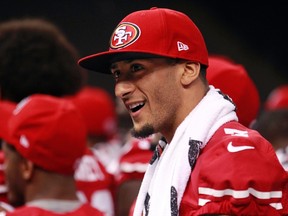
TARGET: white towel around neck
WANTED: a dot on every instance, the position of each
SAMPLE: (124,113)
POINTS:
(173,168)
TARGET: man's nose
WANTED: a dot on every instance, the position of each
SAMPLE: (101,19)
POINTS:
(123,89)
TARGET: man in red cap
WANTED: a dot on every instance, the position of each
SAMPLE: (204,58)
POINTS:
(43,145)
(272,123)
(210,164)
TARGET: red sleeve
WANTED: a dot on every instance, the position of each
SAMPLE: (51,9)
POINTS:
(246,182)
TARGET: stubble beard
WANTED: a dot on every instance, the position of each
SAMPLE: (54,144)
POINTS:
(146,131)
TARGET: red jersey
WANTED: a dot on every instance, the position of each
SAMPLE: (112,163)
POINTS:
(84,210)
(94,184)
(236,173)
(134,161)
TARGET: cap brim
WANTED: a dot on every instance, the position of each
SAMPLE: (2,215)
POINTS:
(101,62)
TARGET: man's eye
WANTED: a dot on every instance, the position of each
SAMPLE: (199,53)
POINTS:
(116,74)
(136,67)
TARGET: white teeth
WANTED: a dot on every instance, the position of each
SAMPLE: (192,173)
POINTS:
(135,105)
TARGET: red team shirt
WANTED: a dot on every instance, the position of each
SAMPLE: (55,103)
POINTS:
(133,163)
(84,210)
(94,184)
(236,173)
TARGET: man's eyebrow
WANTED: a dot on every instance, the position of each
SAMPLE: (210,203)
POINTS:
(114,65)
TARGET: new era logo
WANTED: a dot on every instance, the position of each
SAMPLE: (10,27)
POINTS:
(24,141)
(181,46)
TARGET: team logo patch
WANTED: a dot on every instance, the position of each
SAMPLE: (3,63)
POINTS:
(194,150)
(173,202)
(124,35)
(147,204)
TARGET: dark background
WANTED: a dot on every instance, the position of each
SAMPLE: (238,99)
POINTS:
(253,34)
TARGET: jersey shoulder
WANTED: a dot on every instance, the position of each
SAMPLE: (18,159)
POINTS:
(233,137)
(238,173)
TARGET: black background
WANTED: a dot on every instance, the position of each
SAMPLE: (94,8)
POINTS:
(254,34)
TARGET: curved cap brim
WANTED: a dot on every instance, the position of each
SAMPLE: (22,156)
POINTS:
(101,62)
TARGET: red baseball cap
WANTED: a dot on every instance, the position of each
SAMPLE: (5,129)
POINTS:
(48,131)
(6,109)
(233,79)
(98,110)
(151,33)
(277,99)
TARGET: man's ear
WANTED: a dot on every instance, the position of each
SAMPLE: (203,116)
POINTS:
(27,168)
(190,73)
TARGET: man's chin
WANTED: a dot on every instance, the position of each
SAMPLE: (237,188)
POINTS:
(143,132)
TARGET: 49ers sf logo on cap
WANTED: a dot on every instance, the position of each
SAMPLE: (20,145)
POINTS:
(124,35)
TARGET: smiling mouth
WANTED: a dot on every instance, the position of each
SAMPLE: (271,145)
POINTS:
(135,107)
